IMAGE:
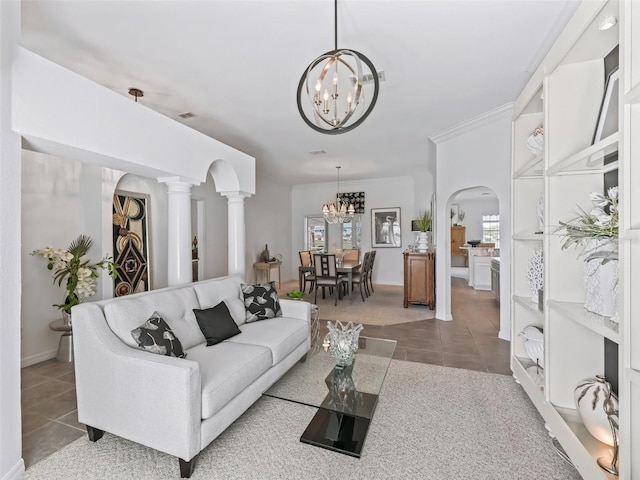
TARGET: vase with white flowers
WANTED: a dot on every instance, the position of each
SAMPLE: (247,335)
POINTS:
(595,234)
(78,273)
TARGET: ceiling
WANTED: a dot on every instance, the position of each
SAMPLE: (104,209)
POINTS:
(235,64)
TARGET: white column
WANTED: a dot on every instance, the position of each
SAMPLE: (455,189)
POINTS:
(178,230)
(236,233)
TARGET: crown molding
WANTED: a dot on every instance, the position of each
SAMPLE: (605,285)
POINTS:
(473,123)
(349,183)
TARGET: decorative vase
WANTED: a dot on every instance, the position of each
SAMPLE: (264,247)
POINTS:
(595,402)
(66,317)
(535,274)
(601,286)
(342,342)
(265,254)
(534,343)
(423,242)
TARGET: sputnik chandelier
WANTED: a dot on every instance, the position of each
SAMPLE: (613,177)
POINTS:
(338,212)
(331,92)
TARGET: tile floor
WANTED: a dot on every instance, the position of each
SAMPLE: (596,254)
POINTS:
(49,415)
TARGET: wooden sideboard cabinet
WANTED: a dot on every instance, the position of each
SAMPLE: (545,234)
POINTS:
(419,279)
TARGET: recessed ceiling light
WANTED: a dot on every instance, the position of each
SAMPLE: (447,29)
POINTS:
(607,23)
(186,115)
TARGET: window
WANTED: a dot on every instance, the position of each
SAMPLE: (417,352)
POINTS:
(351,233)
(315,233)
(491,229)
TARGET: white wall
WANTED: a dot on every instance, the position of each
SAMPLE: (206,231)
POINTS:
(475,153)
(52,214)
(474,210)
(213,247)
(379,193)
(268,221)
(11,464)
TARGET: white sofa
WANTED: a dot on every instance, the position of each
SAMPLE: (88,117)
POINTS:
(179,405)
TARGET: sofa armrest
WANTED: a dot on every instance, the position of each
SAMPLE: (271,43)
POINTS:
(296,309)
(154,400)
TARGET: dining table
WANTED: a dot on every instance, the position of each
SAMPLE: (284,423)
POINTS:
(349,268)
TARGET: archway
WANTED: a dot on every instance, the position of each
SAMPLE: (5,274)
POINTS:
(474,258)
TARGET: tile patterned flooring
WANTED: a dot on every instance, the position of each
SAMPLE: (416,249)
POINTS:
(49,415)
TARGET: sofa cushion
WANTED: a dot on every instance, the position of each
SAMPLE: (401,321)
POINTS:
(225,289)
(261,301)
(281,335)
(226,369)
(216,323)
(155,336)
(174,306)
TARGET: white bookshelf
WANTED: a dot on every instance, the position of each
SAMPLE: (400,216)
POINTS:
(564,95)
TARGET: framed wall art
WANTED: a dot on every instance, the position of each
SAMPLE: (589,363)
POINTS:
(131,242)
(385,227)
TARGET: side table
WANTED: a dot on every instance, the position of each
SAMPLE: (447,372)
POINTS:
(266,266)
(315,328)
(65,346)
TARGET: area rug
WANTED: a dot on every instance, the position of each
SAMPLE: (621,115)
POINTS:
(383,307)
(431,423)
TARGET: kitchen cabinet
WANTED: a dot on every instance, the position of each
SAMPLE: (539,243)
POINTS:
(458,239)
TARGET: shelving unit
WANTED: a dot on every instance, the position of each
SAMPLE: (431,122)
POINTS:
(565,95)
(630,244)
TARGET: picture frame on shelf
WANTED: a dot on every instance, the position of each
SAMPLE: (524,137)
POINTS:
(453,214)
(386,228)
(607,123)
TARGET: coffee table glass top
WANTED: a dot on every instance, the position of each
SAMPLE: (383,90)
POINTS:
(318,383)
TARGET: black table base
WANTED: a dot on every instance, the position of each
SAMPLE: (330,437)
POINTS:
(339,432)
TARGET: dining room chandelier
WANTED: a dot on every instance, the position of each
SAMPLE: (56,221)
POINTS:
(331,93)
(338,212)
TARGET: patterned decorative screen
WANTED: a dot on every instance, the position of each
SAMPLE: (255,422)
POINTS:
(131,243)
(357,198)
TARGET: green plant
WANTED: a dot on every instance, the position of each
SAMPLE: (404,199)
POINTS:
(424,220)
(295,294)
(78,272)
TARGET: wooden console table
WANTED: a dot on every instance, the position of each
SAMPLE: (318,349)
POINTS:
(266,266)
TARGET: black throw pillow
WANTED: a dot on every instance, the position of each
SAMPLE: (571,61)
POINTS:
(261,301)
(156,336)
(216,323)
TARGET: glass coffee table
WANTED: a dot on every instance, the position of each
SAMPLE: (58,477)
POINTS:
(346,398)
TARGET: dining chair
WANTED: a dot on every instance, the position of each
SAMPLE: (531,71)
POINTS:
(306,270)
(372,260)
(327,276)
(351,254)
(360,278)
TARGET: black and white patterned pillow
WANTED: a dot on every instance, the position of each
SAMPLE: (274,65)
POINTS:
(156,336)
(261,301)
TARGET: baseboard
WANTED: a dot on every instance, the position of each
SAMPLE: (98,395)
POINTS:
(37,358)
(16,472)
